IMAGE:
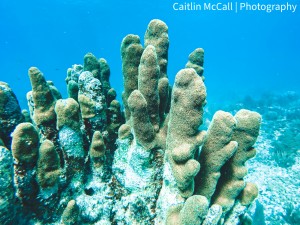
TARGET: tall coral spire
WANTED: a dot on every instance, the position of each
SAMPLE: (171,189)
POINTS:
(216,151)
(48,169)
(43,98)
(157,35)
(148,83)
(25,145)
(92,102)
(131,52)
(141,124)
(232,181)
(196,61)
(183,140)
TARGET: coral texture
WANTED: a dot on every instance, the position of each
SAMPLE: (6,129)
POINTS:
(196,61)
(10,113)
(82,160)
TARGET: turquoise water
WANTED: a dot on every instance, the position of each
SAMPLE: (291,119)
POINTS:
(251,61)
(245,52)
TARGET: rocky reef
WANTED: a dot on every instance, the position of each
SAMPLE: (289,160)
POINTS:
(82,160)
(275,169)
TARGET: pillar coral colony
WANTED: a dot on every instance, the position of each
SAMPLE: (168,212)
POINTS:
(234,6)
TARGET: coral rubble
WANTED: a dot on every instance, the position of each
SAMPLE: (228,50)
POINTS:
(81,161)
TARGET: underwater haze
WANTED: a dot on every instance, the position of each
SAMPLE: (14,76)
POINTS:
(245,52)
(201,143)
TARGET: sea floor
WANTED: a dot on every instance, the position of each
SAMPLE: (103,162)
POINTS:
(279,188)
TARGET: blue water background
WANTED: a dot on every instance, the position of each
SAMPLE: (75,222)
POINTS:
(247,53)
